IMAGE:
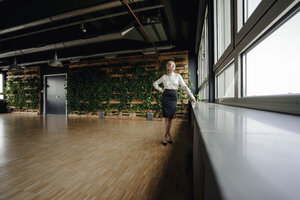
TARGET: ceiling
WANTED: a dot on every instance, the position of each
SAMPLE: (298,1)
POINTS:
(31,31)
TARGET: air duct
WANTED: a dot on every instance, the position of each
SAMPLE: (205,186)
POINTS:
(106,54)
(82,21)
(65,16)
(128,33)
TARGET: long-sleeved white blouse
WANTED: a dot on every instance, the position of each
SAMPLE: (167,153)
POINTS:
(172,82)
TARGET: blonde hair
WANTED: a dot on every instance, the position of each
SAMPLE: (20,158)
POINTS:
(170,63)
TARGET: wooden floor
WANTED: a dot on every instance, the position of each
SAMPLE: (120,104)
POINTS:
(88,158)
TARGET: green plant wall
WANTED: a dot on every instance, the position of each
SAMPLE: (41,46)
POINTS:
(90,89)
(23,93)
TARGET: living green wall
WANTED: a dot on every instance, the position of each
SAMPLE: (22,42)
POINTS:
(121,86)
(22,93)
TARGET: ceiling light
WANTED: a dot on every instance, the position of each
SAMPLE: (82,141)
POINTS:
(14,65)
(82,27)
(55,62)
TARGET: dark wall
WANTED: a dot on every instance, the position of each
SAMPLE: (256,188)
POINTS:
(193,72)
(3,105)
(46,70)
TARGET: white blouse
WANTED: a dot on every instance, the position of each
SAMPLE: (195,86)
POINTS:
(172,82)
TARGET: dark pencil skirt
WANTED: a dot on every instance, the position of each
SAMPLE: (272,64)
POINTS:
(169,103)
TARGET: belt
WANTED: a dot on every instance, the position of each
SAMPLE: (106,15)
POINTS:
(170,90)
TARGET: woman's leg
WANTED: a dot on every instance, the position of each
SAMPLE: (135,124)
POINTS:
(168,123)
(169,138)
(166,132)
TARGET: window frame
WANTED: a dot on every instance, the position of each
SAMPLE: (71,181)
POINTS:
(203,64)
(265,35)
(229,48)
(260,10)
(3,82)
(277,14)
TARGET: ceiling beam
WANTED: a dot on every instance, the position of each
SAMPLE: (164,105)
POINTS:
(105,54)
(66,15)
(82,21)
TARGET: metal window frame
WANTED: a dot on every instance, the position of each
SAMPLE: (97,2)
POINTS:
(264,22)
(3,82)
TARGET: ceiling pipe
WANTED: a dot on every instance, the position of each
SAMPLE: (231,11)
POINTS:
(73,43)
(138,21)
(106,54)
(130,33)
(65,16)
(82,21)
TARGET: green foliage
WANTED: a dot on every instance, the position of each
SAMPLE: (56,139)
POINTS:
(23,93)
(91,90)
(83,93)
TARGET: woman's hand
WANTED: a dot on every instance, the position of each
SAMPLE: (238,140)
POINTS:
(193,99)
(162,91)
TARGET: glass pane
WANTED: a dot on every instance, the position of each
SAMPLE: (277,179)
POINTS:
(273,65)
(227,24)
(221,85)
(222,26)
(229,81)
(245,8)
(1,83)
(250,6)
(226,82)
(1,96)
(240,13)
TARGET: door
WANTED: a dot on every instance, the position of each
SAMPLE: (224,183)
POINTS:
(55,94)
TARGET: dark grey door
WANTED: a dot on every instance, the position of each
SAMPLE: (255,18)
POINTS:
(55,94)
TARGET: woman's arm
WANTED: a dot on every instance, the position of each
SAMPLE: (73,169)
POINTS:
(185,87)
(156,83)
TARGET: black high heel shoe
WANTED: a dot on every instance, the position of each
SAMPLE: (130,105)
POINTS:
(165,144)
(170,141)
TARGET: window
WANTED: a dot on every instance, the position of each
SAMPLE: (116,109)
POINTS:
(225,82)
(203,63)
(249,7)
(222,21)
(245,9)
(1,86)
(272,66)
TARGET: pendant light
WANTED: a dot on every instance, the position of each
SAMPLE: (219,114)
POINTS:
(55,62)
(14,65)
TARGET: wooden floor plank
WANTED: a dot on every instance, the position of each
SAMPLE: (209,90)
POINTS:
(55,157)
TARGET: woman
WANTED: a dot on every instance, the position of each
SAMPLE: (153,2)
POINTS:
(171,81)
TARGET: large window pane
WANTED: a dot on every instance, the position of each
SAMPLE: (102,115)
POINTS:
(203,62)
(222,21)
(245,10)
(249,7)
(1,83)
(225,82)
(273,66)
(1,86)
